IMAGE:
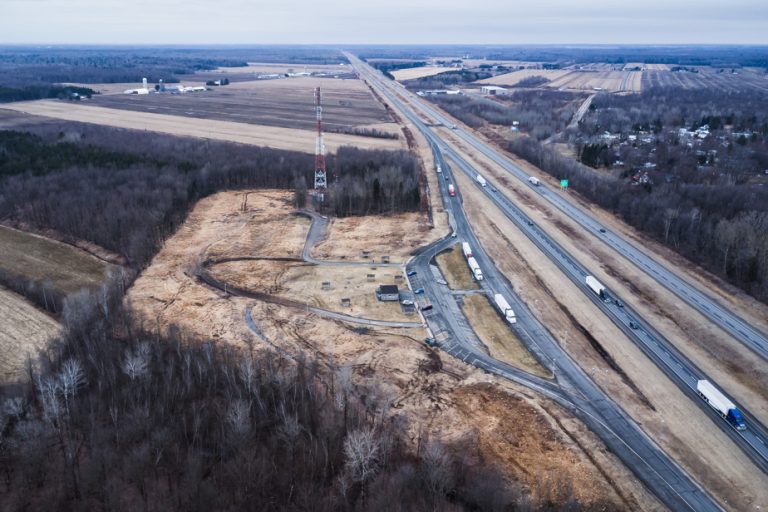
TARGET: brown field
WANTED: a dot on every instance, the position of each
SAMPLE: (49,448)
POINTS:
(270,136)
(515,76)
(411,73)
(589,80)
(707,78)
(455,269)
(269,68)
(26,331)
(533,440)
(498,337)
(474,63)
(286,103)
(42,259)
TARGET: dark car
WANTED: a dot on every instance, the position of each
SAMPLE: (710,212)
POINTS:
(426,307)
(602,230)
(619,303)
(633,325)
(417,291)
(412,273)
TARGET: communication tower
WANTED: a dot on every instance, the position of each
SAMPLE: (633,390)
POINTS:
(320,173)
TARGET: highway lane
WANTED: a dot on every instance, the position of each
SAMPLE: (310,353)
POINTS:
(584,399)
(708,306)
(754,441)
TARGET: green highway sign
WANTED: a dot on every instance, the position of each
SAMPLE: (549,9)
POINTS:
(563,183)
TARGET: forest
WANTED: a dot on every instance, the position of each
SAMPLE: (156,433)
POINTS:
(127,191)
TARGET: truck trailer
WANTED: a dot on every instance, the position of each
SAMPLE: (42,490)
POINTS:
(505,309)
(475,268)
(596,287)
(451,190)
(534,181)
(466,249)
(721,404)
(481,180)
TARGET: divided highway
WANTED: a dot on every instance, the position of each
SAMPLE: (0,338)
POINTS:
(731,323)
(574,390)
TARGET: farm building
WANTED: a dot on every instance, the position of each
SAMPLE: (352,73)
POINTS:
(493,90)
(388,292)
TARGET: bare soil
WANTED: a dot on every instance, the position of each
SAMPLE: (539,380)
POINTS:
(516,76)
(437,397)
(26,332)
(411,73)
(258,135)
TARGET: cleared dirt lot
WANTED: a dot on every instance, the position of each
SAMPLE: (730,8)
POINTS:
(25,332)
(41,259)
(515,76)
(435,396)
(270,136)
(411,73)
(286,103)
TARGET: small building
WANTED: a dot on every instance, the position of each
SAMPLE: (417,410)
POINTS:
(388,292)
(326,285)
(370,277)
(493,90)
(346,302)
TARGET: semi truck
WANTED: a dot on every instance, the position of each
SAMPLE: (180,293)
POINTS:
(721,404)
(596,287)
(451,190)
(481,180)
(475,268)
(466,249)
(506,310)
(534,181)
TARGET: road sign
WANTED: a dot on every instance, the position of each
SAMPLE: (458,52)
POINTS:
(563,183)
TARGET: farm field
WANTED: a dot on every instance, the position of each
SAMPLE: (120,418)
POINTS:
(606,80)
(287,103)
(269,67)
(258,135)
(516,76)
(26,331)
(707,78)
(412,73)
(41,259)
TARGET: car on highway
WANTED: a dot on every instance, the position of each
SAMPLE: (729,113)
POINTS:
(411,273)
(618,303)
(418,291)
(530,223)
(602,230)
(426,307)
(633,325)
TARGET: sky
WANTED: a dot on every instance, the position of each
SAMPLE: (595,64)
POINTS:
(203,22)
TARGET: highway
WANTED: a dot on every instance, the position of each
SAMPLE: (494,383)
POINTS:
(575,389)
(708,306)
(753,441)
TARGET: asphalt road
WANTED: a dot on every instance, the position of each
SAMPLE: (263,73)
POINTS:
(708,306)
(650,464)
(753,441)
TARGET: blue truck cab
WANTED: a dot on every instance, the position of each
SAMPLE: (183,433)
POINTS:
(736,419)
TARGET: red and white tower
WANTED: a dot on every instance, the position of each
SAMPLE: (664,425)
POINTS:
(320,175)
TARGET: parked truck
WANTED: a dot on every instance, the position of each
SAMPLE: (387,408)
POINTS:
(505,309)
(534,181)
(475,268)
(481,180)
(721,404)
(596,287)
(451,190)
(466,249)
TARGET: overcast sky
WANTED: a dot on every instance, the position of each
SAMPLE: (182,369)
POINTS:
(383,21)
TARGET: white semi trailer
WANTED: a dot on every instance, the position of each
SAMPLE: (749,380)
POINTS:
(466,249)
(504,307)
(481,180)
(721,404)
(475,268)
(596,287)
